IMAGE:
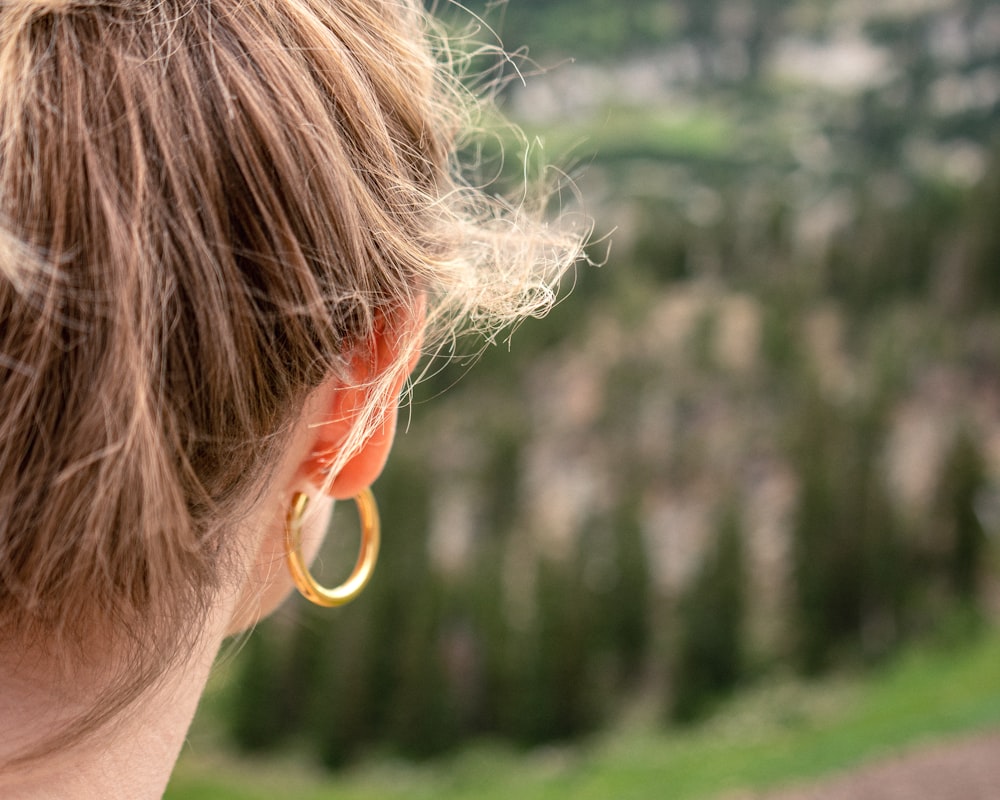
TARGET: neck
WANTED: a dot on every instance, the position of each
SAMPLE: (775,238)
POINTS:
(131,757)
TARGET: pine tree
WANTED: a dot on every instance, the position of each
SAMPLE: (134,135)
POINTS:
(851,569)
(710,651)
(963,477)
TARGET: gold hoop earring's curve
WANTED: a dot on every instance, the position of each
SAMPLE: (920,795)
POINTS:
(351,588)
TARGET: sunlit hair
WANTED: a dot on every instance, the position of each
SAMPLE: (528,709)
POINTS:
(205,210)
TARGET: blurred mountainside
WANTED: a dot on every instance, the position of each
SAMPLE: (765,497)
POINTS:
(798,193)
(766,431)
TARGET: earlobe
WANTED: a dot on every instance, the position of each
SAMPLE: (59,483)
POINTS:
(361,470)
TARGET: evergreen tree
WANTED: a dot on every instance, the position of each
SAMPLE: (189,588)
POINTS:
(850,567)
(256,720)
(709,654)
(963,477)
(627,604)
(563,656)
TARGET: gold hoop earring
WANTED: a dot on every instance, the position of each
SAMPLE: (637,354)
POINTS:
(351,588)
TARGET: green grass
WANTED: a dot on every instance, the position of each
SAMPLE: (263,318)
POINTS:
(643,133)
(622,134)
(778,733)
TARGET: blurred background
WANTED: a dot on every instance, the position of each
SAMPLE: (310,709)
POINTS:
(740,489)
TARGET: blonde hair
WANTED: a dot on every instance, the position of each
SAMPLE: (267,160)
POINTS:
(204,208)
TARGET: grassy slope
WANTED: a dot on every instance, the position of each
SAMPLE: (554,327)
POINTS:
(772,735)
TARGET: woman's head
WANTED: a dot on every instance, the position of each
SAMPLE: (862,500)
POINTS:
(207,212)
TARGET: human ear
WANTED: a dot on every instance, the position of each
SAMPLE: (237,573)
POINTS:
(378,371)
(331,415)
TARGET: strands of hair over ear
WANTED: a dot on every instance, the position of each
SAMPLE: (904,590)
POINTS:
(205,211)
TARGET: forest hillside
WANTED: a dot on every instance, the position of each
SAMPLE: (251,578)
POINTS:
(762,432)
